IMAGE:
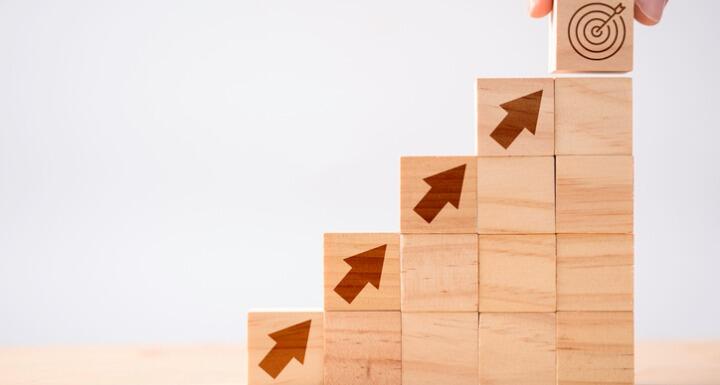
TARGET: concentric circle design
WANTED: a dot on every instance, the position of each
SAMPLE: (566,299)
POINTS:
(597,31)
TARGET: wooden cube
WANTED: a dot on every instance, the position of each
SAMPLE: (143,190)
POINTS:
(363,348)
(285,348)
(517,348)
(362,272)
(594,194)
(591,36)
(437,195)
(594,272)
(516,195)
(515,117)
(440,348)
(517,273)
(439,272)
(595,348)
(593,116)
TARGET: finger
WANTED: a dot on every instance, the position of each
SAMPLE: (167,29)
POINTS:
(540,8)
(649,12)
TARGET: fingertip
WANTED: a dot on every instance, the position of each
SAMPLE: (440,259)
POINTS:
(540,8)
(644,20)
(649,12)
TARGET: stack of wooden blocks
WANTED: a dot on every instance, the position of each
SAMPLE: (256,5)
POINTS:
(512,267)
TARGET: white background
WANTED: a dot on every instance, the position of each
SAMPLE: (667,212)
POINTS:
(167,165)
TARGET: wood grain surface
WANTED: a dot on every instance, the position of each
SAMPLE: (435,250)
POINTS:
(415,188)
(440,348)
(517,273)
(439,273)
(492,94)
(595,272)
(516,195)
(594,194)
(265,330)
(363,348)
(340,246)
(593,116)
(656,363)
(565,58)
(517,348)
(595,348)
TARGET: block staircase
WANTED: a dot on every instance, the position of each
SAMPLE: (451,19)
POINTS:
(512,267)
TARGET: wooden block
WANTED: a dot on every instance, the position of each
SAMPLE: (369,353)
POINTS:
(593,116)
(515,117)
(362,272)
(437,195)
(516,195)
(594,194)
(595,272)
(517,273)
(285,348)
(517,348)
(440,348)
(439,272)
(363,348)
(591,36)
(595,348)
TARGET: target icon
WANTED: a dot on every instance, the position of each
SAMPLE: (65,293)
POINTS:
(597,31)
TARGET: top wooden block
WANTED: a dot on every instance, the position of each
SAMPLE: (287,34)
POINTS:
(515,117)
(438,195)
(591,36)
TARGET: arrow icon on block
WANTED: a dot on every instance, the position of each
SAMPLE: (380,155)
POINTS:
(365,268)
(289,343)
(522,113)
(445,187)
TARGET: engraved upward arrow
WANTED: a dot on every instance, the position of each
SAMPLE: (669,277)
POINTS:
(290,343)
(365,268)
(522,113)
(445,187)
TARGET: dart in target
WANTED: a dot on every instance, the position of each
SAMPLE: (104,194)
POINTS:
(597,31)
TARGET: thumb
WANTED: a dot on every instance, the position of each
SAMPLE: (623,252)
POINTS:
(649,12)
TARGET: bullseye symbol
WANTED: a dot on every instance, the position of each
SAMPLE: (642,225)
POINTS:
(597,31)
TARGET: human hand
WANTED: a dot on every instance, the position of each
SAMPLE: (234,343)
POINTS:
(648,12)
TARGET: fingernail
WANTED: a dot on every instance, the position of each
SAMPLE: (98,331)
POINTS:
(531,5)
(652,9)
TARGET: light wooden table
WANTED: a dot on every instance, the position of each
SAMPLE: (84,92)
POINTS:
(658,363)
